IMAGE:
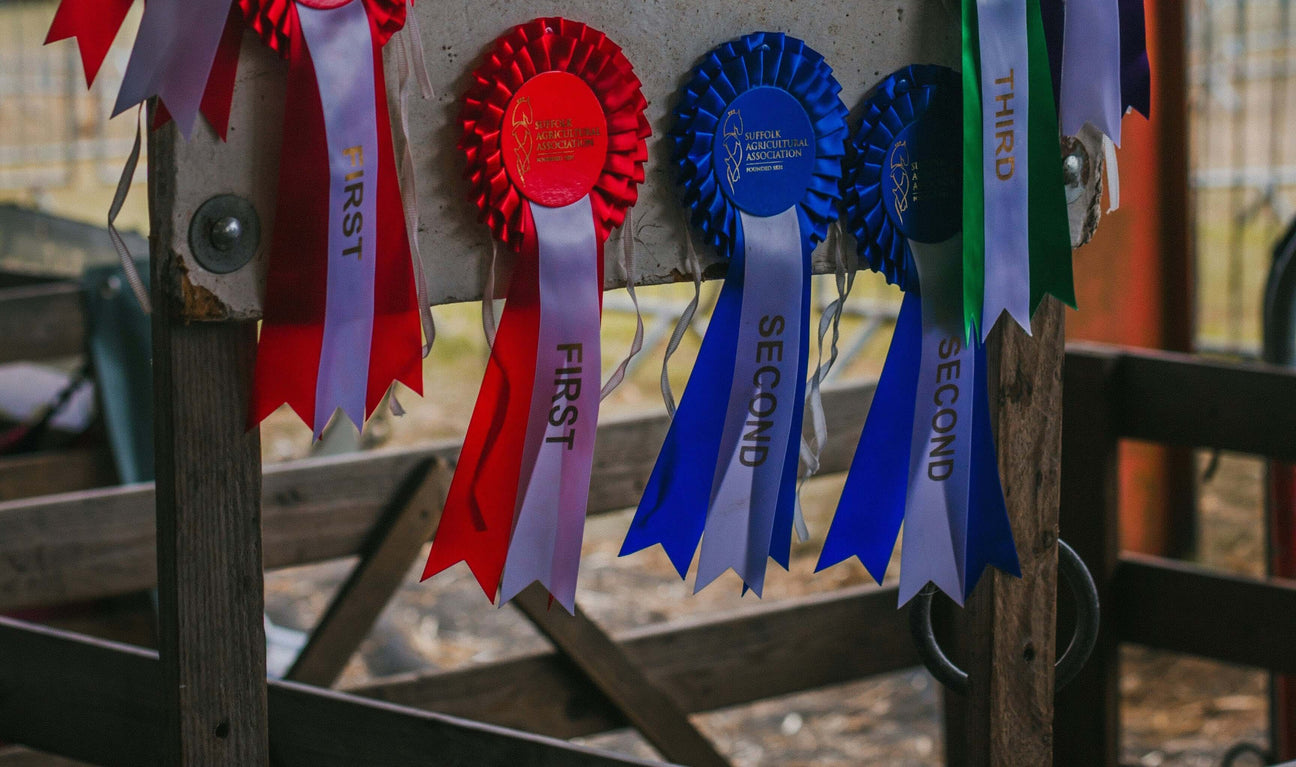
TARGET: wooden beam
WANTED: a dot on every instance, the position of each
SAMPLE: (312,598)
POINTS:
(41,322)
(211,633)
(25,757)
(55,471)
(101,703)
(1086,729)
(85,545)
(1006,719)
(702,663)
(385,559)
(1181,399)
(652,712)
(1172,605)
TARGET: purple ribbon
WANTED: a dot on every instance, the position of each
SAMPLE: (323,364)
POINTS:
(342,50)
(934,546)
(173,55)
(1005,96)
(762,398)
(558,455)
(1091,68)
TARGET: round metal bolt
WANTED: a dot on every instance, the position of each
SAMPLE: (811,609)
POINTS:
(1075,167)
(1072,167)
(225,233)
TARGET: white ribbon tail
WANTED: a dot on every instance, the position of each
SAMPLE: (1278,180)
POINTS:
(1113,174)
(490,326)
(409,188)
(119,198)
(628,265)
(685,320)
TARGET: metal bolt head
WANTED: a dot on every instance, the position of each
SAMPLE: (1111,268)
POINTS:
(1075,169)
(225,233)
(1072,168)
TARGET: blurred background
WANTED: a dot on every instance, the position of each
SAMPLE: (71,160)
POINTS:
(1208,192)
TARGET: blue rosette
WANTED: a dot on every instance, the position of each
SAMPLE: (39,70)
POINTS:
(926,457)
(761,59)
(759,137)
(897,103)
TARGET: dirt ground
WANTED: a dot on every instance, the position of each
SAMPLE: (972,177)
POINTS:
(1177,711)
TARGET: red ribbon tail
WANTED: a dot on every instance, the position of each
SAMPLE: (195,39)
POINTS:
(395,351)
(94,23)
(292,330)
(478,518)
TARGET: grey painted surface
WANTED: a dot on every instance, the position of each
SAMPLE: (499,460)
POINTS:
(664,39)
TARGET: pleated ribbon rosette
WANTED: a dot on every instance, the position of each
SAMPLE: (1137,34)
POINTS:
(554,134)
(926,458)
(341,322)
(759,137)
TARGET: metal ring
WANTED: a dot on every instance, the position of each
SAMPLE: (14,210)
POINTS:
(1244,749)
(1077,653)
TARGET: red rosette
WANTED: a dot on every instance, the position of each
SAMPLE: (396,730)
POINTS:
(553,44)
(275,21)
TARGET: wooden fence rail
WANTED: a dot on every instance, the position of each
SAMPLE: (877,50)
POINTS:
(1113,394)
(101,543)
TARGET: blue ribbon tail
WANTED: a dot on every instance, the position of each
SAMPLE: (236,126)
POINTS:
(781,537)
(990,536)
(872,504)
(673,509)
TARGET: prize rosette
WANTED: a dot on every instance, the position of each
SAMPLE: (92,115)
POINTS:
(759,138)
(554,134)
(340,321)
(926,457)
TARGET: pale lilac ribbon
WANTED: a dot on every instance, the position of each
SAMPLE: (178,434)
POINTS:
(1091,68)
(1113,174)
(758,422)
(812,449)
(636,344)
(1005,94)
(934,545)
(685,320)
(409,60)
(558,455)
(342,50)
(173,55)
(119,199)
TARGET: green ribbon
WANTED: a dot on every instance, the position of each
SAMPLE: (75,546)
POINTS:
(1049,228)
(973,191)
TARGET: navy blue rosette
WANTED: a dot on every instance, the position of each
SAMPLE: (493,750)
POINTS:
(759,138)
(926,458)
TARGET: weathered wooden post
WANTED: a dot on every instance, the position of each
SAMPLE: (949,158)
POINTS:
(1007,642)
(210,595)
(1006,634)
